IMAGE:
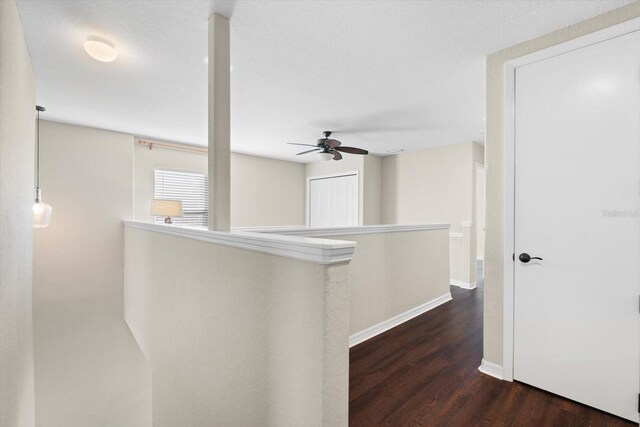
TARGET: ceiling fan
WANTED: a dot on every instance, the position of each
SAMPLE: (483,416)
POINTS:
(330,148)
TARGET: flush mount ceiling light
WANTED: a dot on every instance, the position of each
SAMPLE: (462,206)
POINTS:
(100,50)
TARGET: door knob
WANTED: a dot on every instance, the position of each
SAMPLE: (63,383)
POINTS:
(525,257)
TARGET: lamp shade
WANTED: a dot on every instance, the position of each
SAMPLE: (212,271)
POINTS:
(164,207)
(41,214)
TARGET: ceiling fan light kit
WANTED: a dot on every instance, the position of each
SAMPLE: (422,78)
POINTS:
(325,156)
(328,149)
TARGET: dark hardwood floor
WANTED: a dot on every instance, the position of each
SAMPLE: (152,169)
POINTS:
(425,373)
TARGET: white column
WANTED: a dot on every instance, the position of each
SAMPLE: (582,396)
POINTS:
(219,124)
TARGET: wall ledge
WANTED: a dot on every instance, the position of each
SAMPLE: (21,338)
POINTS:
(319,251)
(343,231)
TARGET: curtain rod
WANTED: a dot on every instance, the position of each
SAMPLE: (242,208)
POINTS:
(170,146)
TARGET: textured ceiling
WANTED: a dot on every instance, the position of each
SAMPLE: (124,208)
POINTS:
(387,74)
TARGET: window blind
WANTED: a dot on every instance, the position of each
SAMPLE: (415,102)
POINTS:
(191,188)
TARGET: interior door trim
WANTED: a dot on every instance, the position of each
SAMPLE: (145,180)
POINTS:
(307,218)
(509,170)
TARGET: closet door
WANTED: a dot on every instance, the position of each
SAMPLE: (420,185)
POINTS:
(333,201)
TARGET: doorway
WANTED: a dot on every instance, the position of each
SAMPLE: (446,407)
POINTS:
(480,216)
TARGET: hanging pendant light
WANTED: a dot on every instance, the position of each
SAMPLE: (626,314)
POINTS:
(41,210)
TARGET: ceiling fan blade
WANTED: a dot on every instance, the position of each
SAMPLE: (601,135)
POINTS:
(336,155)
(306,145)
(352,150)
(309,151)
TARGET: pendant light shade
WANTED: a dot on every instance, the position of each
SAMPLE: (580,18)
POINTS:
(41,215)
(41,211)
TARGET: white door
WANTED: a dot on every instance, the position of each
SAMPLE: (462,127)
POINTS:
(577,196)
(333,201)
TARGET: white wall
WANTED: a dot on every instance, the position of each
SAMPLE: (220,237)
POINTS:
(394,272)
(264,192)
(94,179)
(494,254)
(17,113)
(429,186)
(89,369)
(436,185)
(372,183)
(236,337)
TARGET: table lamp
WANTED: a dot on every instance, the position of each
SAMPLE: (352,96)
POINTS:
(166,208)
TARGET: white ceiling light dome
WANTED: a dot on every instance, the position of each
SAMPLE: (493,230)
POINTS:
(100,50)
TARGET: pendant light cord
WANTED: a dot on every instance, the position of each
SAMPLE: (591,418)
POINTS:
(38,149)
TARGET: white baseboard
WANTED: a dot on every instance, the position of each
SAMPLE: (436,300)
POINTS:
(463,285)
(381,327)
(490,368)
